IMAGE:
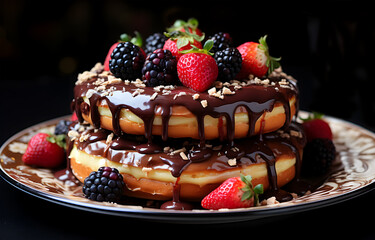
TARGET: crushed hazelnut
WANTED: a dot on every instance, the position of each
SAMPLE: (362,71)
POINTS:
(204,103)
(232,162)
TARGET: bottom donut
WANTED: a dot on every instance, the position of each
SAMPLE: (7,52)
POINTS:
(152,171)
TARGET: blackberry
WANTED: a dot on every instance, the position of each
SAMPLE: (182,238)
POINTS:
(106,184)
(229,62)
(153,42)
(221,41)
(126,61)
(160,68)
(62,127)
(318,156)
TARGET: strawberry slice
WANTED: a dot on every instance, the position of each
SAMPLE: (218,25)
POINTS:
(235,192)
(256,59)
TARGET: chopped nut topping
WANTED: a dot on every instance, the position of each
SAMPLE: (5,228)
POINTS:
(204,103)
(183,156)
(232,162)
(152,98)
(196,96)
(109,138)
(227,91)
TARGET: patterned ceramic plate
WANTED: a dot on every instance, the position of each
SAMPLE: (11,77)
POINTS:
(354,176)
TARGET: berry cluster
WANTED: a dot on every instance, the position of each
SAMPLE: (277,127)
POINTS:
(319,152)
(106,184)
(184,43)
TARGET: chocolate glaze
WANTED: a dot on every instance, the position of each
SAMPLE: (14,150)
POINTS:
(126,149)
(255,98)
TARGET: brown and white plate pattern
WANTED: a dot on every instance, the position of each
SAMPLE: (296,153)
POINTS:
(352,174)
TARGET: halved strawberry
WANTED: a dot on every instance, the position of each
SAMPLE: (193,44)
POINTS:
(235,192)
(256,59)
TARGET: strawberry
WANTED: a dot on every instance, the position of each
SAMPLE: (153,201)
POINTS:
(108,57)
(191,25)
(137,40)
(235,192)
(315,127)
(196,69)
(181,41)
(256,59)
(44,150)
(74,117)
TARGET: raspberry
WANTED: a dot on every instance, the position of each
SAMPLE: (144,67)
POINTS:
(126,61)
(229,63)
(106,184)
(160,68)
(318,156)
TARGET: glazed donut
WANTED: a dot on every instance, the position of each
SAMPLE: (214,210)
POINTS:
(226,111)
(272,161)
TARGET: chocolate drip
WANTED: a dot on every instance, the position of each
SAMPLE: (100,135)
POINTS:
(255,98)
(136,151)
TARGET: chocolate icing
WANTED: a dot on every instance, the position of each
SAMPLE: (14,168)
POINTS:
(256,97)
(125,149)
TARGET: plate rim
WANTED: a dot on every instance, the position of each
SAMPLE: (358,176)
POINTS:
(179,216)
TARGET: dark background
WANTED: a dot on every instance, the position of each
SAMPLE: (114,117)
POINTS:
(328,46)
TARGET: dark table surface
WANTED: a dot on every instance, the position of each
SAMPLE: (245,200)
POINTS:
(22,215)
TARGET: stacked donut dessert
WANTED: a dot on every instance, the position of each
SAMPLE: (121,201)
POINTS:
(176,120)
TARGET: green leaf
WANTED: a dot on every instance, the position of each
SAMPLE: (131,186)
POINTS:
(258,189)
(182,42)
(312,116)
(137,40)
(208,45)
(247,195)
(58,139)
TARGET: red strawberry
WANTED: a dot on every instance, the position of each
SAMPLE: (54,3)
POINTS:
(137,40)
(235,192)
(256,59)
(315,127)
(108,57)
(44,150)
(74,117)
(196,68)
(191,25)
(181,41)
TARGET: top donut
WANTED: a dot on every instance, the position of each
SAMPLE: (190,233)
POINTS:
(183,89)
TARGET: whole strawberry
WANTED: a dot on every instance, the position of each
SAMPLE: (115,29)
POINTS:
(256,59)
(315,127)
(181,41)
(44,150)
(235,192)
(191,25)
(197,69)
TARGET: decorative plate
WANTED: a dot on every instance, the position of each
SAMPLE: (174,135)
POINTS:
(355,176)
